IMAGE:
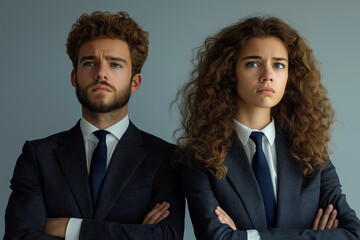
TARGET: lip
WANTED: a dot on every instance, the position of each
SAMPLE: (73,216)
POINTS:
(265,90)
(100,88)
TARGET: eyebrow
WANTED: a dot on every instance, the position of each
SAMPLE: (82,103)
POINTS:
(258,57)
(118,59)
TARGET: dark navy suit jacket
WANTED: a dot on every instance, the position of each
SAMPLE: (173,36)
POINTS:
(51,180)
(298,199)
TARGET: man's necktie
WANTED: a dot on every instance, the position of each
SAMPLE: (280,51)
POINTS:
(262,174)
(98,165)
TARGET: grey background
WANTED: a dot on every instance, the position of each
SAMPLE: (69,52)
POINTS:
(37,98)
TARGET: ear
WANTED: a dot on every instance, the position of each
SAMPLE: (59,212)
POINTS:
(73,78)
(136,82)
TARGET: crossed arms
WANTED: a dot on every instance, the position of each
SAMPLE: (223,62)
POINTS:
(337,222)
(41,203)
(323,219)
(57,226)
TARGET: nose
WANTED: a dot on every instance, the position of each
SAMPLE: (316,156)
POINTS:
(267,74)
(101,73)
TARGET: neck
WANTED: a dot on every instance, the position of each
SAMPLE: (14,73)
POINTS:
(104,120)
(257,118)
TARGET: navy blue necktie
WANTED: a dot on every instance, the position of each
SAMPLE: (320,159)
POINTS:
(98,165)
(263,177)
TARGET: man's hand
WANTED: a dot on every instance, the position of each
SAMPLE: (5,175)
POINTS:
(56,226)
(224,218)
(326,220)
(157,214)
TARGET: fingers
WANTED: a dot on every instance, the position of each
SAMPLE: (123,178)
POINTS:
(158,213)
(332,218)
(164,215)
(224,218)
(219,213)
(326,219)
(317,219)
(336,224)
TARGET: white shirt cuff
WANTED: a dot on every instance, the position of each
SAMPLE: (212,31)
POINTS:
(73,229)
(253,235)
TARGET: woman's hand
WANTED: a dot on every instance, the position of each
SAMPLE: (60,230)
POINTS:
(326,220)
(224,218)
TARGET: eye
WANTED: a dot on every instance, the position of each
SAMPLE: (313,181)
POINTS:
(279,65)
(115,65)
(88,64)
(252,64)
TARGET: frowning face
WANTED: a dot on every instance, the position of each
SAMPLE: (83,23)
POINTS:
(261,72)
(103,78)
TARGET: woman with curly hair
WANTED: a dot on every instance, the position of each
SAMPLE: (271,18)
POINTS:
(256,125)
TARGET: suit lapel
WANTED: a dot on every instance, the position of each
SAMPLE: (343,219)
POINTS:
(243,179)
(71,156)
(289,183)
(126,158)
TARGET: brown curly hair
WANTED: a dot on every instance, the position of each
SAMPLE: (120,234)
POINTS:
(208,107)
(106,25)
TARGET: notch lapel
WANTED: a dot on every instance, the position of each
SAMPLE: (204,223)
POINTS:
(243,179)
(289,183)
(126,158)
(71,157)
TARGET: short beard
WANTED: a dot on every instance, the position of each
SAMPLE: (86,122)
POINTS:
(122,98)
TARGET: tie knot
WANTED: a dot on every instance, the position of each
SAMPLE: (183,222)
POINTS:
(257,138)
(101,135)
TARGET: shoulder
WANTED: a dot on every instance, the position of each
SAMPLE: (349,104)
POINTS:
(156,145)
(154,140)
(55,139)
(149,142)
(49,139)
(148,138)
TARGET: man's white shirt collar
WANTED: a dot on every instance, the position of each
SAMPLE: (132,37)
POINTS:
(117,130)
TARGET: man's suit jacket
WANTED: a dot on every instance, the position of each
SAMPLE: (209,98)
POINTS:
(298,199)
(51,180)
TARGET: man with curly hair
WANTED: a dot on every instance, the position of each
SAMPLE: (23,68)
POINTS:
(104,178)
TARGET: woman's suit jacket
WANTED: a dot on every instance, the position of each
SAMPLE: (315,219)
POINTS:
(298,199)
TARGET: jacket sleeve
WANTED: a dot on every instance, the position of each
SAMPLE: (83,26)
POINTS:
(202,202)
(330,193)
(25,216)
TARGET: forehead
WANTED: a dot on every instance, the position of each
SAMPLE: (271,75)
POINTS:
(105,47)
(269,46)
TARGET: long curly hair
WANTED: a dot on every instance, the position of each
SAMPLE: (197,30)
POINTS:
(208,106)
(107,25)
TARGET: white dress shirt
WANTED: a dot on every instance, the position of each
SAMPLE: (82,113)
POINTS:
(116,131)
(269,148)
